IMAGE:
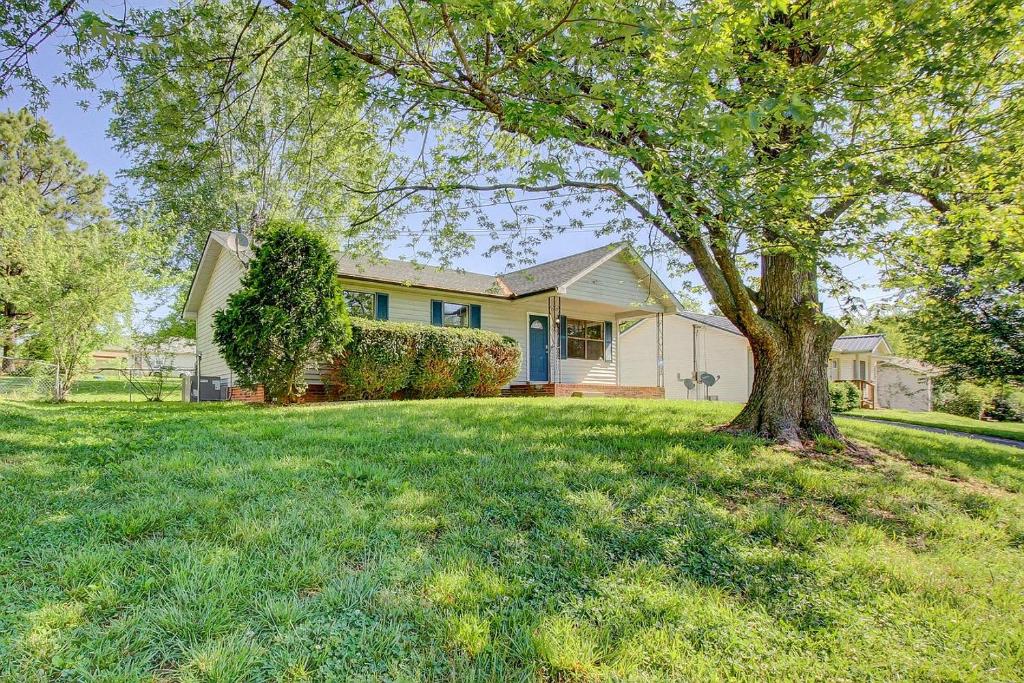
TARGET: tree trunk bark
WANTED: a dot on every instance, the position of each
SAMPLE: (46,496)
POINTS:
(7,330)
(789,401)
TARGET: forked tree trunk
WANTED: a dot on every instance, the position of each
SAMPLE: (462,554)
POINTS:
(789,401)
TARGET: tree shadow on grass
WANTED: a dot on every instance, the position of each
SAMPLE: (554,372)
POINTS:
(966,458)
(447,538)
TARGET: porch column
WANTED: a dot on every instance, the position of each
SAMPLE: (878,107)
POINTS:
(660,324)
(554,333)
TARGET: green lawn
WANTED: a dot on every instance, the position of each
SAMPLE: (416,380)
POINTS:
(118,389)
(533,539)
(1008,430)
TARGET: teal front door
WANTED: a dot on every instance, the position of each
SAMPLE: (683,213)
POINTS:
(538,348)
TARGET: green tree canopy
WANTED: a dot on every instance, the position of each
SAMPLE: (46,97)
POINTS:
(775,134)
(789,131)
(224,114)
(288,313)
(965,284)
(45,191)
(890,321)
(80,291)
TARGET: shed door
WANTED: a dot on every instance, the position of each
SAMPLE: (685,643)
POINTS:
(538,348)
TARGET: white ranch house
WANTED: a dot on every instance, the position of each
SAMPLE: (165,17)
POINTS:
(599,322)
(565,314)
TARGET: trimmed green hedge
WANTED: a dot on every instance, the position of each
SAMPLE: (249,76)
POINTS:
(843,396)
(403,360)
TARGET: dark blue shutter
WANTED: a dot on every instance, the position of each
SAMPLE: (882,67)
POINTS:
(607,340)
(382,306)
(563,340)
(436,315)
(474,316)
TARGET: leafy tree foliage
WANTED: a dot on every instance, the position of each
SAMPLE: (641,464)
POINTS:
(225,115)
(887,320)
(24,26)
(965,280)
(288,313)
(45,191)
(789,130)
(242,127)
(80,290)
(770,134)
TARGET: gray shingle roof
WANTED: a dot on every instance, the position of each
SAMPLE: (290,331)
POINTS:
(539,278)
(545,276)
(857,343)
(718,321)
(432,277)
(535,279)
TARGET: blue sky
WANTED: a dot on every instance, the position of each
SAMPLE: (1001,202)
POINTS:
(85,132)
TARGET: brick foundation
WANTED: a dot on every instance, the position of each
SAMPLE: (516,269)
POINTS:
(606,390)
(315,393)
(246,395)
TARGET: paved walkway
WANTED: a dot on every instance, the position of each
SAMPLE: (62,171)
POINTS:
(938,430)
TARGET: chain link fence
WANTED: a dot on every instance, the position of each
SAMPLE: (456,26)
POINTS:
(154,384)
(22,379)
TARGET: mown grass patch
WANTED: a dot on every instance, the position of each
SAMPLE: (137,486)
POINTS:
(89,389)
(1007,430)
(494,540)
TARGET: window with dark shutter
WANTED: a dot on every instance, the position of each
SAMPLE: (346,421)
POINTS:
(585,339)
(361,304)
(448,314)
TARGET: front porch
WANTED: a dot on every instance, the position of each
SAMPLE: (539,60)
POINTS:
(867,392)
(573,349)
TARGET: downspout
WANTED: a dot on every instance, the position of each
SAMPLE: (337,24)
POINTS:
(695,382)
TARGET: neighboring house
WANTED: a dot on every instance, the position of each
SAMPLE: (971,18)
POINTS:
(179,354)
(707,357)
(110,358)
(855,359)
(565,313)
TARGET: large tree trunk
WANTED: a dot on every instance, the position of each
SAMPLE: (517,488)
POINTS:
(789,401)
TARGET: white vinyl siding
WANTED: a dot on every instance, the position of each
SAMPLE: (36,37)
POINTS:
(617,283)
(720,353)
(848,366)
(903,389)
(225,279)
(727,357)
(613,285)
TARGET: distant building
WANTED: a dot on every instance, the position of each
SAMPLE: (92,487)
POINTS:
(179,354)
(110,358)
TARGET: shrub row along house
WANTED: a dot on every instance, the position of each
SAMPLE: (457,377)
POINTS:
(599,322)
